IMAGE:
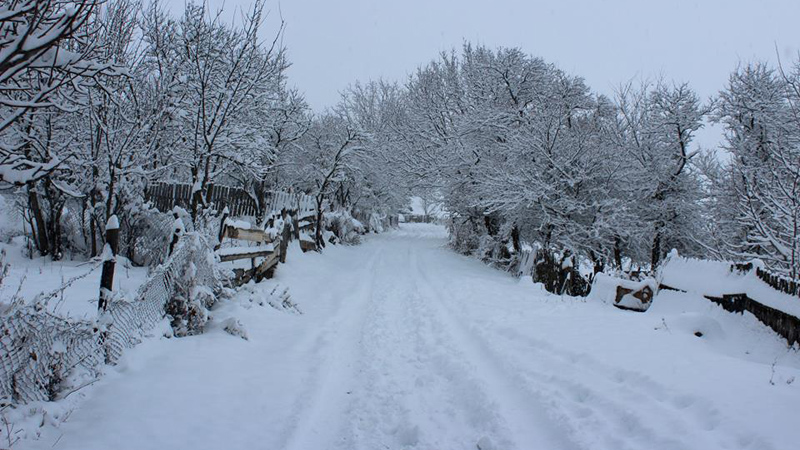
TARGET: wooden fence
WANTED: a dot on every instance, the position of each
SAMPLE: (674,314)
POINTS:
(786,325)
(239,202)
(777,282)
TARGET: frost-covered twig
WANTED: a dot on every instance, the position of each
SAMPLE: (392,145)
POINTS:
(9,434)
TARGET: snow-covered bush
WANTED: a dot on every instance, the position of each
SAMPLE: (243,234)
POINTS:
(193,296)
(344,227)
(465,237)
(188,310)
(147,234)
(376,222)
(559,273)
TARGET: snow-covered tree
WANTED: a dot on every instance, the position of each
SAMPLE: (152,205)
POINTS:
(375,183)
(323,159)
(655,128)
(46,58)
(760,109)
(226,82)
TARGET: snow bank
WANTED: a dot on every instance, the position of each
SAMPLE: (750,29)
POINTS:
(696,275)
(715,279)
(343,227)
(699,325)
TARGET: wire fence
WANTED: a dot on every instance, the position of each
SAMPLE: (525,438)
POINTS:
(39,349)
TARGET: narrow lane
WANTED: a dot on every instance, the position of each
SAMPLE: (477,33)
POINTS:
(403,344)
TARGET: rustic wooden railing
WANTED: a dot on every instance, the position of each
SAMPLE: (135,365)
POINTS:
(777,282)
(268,249)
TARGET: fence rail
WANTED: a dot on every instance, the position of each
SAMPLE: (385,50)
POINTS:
(775,281)
(778,282)
(785,325)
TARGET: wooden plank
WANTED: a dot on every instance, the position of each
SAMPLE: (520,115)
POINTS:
(247,235)
(248,255)
(268,263)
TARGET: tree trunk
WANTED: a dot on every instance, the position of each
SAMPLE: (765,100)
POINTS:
(655,256)
(318,232)
(107,276)
(491,230)
(515,239)
(42,241)
(617,252)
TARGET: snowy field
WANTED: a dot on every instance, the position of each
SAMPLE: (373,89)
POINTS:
(44,278)
(404,344)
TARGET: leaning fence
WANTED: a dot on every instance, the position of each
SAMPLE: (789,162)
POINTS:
(39,349)
(239,202)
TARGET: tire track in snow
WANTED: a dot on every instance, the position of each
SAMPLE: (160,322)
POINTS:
(566,383)
(414,389)
(318,415)
(380,416)
(520,411)
(614,390)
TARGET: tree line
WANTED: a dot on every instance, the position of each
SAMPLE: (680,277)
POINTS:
(98,99)
(523,152)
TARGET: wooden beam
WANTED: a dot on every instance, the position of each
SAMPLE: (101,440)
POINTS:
(245,255)
(247,235)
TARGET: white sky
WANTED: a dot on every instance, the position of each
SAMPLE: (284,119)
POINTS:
(332,43)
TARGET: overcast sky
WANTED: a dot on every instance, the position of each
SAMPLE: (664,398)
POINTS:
(332,43)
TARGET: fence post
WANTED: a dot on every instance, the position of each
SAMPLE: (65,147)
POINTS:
(225,213)
(177,230)
(109,262)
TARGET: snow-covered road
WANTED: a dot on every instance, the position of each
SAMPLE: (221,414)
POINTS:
(404,344)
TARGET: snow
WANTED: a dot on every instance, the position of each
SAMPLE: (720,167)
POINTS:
(18,170)
(178,226)
(714,278)
(604,288)
(241,224)
(113,223)
(405,344)
(41,277)
(108,253)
